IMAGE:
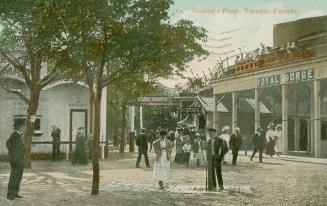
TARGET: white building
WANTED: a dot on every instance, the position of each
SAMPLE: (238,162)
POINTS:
(64,104)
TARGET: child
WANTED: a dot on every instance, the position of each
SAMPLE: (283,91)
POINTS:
(187,151)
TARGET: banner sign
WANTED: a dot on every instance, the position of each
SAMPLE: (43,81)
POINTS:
(155,101)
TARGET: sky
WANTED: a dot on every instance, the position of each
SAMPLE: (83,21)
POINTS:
(238,25)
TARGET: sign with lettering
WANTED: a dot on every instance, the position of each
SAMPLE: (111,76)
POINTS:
(290,77)
(155,101)
(269,81)
(299,76)
(77,104)
(187,110)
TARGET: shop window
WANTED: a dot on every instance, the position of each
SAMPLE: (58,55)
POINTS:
(22,119)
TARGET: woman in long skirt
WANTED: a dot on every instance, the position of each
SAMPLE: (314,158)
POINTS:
(270,138)
(179,145)
(279,146)
(161,169)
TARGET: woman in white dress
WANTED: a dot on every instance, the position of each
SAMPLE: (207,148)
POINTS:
(225,136)
(270,138)
(161,169)
(279,146)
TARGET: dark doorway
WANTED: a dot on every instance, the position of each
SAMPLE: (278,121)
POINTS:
(291,143)
(303,135)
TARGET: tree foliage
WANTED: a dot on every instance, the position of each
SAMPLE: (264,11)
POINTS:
(30,41)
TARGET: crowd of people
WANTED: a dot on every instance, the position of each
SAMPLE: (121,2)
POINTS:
(187,142)
(271,142)
(204,148)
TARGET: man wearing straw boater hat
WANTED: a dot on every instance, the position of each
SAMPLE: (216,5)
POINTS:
(15,146)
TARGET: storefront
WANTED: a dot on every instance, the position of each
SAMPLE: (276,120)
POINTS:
(298,100)
(290,78)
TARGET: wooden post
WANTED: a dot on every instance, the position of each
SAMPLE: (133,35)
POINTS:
(296,122)
(285,117)
(209,168)
(312,134)
(132,132)
(141,117)
(116,136)
(106,149)
(257,109)
(132,142)
(215,113)
(234,110)
(317,121)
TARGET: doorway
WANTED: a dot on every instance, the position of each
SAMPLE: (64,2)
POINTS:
(77,118)
(291,135)
(303,135)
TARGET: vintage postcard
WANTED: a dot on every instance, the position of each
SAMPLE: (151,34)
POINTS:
(163,102)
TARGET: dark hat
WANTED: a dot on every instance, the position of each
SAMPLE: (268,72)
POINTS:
(80,128)
(163,132)
(143,129)
(212,129)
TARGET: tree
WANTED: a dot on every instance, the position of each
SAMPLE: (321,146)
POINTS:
(108,41)
(120,97)
(30,42)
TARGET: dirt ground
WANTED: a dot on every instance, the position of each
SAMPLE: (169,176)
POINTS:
(274,182)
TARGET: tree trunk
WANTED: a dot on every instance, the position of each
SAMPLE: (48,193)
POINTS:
(123,132)
(30,126)
(96,145)
(116,136)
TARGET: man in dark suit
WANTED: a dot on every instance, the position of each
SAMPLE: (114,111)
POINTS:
(55,143)
(217,157)
(235,143)
(259,144)
(142,144)
(16,150)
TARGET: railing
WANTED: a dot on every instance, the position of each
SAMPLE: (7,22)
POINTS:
(45,147)
(254,61)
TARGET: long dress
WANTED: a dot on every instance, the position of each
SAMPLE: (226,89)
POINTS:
(226,137)
(270,142)
(279,146)
(179,152)
(161,171)
(80,155)
(203,151)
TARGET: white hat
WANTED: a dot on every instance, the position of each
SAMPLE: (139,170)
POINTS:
(225,128)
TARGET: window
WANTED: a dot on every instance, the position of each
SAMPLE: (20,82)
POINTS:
(22,119)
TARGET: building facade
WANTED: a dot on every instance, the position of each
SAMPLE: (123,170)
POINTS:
(64,104)
(292,80)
